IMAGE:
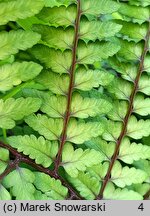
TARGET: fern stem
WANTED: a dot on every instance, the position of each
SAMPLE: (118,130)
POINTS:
(129,112)
(22,158)
(27,160)
(71,86)
(11,166)
(73,194)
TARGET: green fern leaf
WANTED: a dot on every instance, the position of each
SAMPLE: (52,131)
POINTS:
(144,84)
(21,181)
(128,71)
(51,188)
(13,74)
(4,158)
(111,193)
(61,17)
(147,63)
(107,149)
(98,7)
(141,105)
(120,175)
(11,110)
(4,194)
(51,3)
(87,87)
(119,110)
(85,107)
(56,83)
(48,127)
(87,186)
(133,32)
(99,171)
(140,188)
(112,131)
(134,13)
(130,51)
(143,3)
(84,80)
(130,91)
(41,150)
(133,152)
(56,60)
(81,107)
(27,24)
(19,9)
(54,106)
(97,30)
(13,41)
(138,129)
(55,37)
(79,132)
(96,51)
(121,89)
(78,160)
(144,165)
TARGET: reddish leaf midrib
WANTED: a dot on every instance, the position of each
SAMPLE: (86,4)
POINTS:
(70,90)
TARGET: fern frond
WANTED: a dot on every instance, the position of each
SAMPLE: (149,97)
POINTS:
(129,121)
(89,88)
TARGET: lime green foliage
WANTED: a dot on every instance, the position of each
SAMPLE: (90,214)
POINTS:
(4,194)
(138,129)
(83,81)
(48,188)
(4,159)
(120,176)
(139,2)
(129,122)
(12,110)
(134,13)
(78,160)
(130,152)
(21,182)
(48,127)
(74,99)
(39,149)
(16,73)
(19,9)
(13,41)
(87,186)
(120,194)
(51,128)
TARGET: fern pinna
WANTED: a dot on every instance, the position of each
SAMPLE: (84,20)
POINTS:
(64,135)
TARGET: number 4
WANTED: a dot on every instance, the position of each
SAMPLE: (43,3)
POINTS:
(141,207)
